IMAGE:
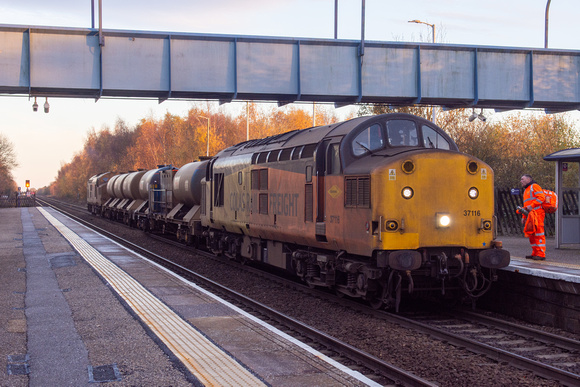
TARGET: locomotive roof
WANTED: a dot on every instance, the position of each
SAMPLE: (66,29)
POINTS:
(307,136)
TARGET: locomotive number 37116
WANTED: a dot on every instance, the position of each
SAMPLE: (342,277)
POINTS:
(471,212)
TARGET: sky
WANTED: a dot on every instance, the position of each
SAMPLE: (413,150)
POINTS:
(44,142)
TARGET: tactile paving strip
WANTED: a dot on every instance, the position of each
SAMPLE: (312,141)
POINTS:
(205,360)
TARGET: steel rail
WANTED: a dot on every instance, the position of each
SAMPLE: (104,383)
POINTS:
(539,335)
(497,354)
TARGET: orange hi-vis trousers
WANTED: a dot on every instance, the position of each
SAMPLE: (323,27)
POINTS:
(533,199)
(538,238)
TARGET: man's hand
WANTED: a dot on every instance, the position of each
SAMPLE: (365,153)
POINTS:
(521,210)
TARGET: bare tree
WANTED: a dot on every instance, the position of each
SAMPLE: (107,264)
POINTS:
(8,162)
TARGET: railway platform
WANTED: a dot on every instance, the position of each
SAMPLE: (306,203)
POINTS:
(544,292)
(562,263)
(76,308)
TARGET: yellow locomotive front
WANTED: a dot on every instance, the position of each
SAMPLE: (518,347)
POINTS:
(434,199)
(429,208)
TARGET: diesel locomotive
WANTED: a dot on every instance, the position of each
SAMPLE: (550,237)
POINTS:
(375,207)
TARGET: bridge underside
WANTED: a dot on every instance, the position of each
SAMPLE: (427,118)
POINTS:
(59,62)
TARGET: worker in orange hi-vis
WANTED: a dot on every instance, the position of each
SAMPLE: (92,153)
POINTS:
(533,217)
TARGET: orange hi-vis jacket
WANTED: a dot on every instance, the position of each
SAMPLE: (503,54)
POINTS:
(534,227)
(533,197)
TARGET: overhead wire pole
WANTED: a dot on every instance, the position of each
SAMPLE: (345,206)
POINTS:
(335,19)
(434,108)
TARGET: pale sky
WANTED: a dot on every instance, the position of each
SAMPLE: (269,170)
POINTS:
(43,142)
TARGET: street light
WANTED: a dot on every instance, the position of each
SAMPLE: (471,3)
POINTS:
(207,118)
(434,115)
(422,22)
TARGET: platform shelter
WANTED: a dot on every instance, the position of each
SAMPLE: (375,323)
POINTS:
(568,214)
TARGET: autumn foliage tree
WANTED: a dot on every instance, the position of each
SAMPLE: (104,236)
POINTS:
(174,140)
(517,144)
(512,145)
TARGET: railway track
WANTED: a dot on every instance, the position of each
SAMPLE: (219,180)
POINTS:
(369,365)
(547,355)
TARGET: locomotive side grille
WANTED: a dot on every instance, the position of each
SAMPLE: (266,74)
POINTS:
(263,203)
(350,196)
(364,192)
(308,203)
(256,179)
(358,192)
(264,179)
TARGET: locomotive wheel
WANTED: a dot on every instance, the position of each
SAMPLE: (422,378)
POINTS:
(376,303)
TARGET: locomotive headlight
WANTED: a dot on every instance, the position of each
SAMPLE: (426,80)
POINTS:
(473,193)
(442,220)
(407,192)
(472,167)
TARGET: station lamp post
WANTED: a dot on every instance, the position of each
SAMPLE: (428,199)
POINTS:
(422,22)
(434,114)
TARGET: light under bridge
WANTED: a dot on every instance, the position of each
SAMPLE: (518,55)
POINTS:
(81,63)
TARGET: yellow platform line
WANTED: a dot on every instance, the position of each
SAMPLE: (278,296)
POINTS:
(205,360)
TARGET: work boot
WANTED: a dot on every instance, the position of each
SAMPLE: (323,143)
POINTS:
(536,258)
(529,256)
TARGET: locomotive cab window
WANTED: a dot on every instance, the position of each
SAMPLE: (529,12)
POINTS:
(402,133)
(432,139)
(369,140)
(218,200)
(333,160)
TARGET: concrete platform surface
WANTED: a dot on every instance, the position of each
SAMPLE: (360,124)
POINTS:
(65,321)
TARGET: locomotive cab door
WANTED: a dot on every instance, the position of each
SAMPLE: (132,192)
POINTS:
(327,165)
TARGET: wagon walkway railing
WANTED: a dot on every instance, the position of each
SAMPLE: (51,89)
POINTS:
(509,222)
(18,201)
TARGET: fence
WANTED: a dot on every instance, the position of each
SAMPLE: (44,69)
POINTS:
(18,201)
(509,223)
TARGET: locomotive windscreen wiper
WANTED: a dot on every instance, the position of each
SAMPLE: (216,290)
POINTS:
(365,147)
(431,145)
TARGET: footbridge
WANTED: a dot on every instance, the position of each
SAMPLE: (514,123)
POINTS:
(82,63)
